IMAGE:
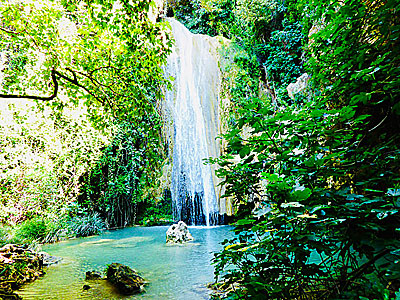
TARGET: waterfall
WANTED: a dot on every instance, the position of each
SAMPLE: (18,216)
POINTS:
(193,108)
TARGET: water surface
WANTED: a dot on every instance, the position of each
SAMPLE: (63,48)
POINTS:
(173,272)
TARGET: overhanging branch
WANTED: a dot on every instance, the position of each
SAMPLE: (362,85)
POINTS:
(54,75)
(51,97)
(9,31)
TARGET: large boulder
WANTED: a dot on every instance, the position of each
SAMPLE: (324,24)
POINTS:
(126,280)
(300,86)
(178,234)
(18,265)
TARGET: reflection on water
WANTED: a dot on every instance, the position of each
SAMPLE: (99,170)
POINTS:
(173,272)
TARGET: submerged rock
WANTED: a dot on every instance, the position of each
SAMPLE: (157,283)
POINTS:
(178,234)
(93,275)
(49,259)
(126,280)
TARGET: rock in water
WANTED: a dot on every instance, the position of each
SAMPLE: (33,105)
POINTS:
(178,234)
(49,259)
(126,280)
(18,265)
(93,275)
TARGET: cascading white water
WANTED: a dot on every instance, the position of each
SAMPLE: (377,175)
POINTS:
(193,106)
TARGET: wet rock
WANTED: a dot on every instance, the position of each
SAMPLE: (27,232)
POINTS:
(93,275)
(86,287)
(126,280)
(18,265)
(12,257)
(49,259)
(178,234)
(6,292)
(221,289)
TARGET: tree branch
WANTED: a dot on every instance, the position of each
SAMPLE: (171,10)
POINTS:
(10,31)
(362,268)
(54,75)
(75,82)
(51,97)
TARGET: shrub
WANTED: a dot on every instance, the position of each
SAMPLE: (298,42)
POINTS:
(3,236)
(31,230)
(74,221)
(115,187)
(157,212)
(57,230)
(86,225)
(317,184)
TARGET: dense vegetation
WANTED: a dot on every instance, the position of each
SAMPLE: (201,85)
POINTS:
(93,71)
(314,175)
(119,187)
(317,183)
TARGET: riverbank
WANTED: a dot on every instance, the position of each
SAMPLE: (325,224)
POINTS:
(18,265)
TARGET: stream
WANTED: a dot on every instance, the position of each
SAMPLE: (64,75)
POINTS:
(173,271)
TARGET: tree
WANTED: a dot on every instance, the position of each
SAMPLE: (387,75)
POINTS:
(104,52)
(317,182)
(107,55)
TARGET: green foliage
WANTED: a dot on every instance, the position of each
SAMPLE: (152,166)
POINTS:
(215,17)
(106,58)
(304,211)
(247,21)
(157,212)
(283,54)
(105,53)
(86,225)
(31,230)
(194,17)
(43,155)
(269,32)
(116,185)
(316,182)
(3,236)
(73,220)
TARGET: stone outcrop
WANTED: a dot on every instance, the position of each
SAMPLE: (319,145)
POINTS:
(178,234)
(18,265)
(126,280)
(299,86)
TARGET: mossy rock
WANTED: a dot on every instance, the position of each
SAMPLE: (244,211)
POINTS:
(93,275)
(18,265)
(126,280)
(6,292)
